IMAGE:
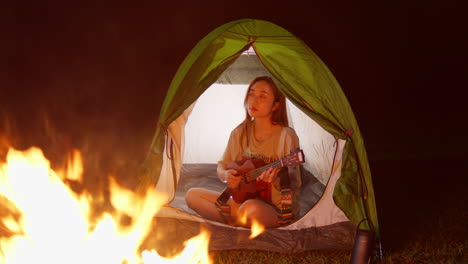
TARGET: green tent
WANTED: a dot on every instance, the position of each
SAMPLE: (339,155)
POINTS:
(309,87)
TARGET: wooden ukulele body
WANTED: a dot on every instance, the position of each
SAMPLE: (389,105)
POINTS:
(248,190)
(249,170)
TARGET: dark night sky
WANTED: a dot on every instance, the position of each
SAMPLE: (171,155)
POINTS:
(94,77)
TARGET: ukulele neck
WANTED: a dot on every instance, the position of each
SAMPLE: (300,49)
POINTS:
(253,174)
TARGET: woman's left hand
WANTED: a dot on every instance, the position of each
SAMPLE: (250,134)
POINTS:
(269,175)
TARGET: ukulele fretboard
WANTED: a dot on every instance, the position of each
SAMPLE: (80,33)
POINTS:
(253,174)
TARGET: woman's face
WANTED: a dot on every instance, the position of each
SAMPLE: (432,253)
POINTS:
(260,101)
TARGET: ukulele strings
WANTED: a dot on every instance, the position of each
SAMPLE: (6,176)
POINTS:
(253,173)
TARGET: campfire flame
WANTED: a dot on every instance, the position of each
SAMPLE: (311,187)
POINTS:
(188,255)
(256,229)
(49,223)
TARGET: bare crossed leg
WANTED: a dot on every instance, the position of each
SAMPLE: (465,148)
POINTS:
(203,201)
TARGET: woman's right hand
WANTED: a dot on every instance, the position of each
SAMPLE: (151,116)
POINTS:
(233,181)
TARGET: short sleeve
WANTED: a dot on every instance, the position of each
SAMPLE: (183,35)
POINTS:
(232,151)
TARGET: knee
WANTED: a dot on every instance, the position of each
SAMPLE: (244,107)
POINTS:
(190,195)
(258,211)
(249,209)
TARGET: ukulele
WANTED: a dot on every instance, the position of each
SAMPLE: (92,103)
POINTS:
(249,170)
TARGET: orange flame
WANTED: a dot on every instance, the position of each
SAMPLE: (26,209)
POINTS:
(256,228)
(189,254)
(49,222)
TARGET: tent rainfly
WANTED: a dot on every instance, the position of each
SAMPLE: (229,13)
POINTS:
(185,147)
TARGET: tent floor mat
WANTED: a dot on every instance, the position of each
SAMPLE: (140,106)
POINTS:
(172,227)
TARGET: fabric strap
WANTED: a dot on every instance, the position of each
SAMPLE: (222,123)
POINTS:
(285,215)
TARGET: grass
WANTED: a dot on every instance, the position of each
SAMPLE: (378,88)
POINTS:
(416,252)
(438,239)
(248,257)
(442,239)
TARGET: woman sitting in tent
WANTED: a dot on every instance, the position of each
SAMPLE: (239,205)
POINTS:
(263,137)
